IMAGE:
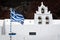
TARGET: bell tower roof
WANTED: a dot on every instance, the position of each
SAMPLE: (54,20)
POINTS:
(42,9)
(42,4)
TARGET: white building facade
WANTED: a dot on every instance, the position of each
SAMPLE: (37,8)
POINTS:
(42,27)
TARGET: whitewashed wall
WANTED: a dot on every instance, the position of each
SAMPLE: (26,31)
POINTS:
(43,32)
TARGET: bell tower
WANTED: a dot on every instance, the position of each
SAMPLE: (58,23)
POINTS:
(43,16)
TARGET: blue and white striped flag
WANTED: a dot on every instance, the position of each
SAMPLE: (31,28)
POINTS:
(15,16)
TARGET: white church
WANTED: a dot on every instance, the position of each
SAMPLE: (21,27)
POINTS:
(42,27)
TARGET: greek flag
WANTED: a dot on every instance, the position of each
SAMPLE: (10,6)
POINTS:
(15,16)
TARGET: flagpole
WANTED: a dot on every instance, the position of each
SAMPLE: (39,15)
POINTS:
(10,20)
(10,27)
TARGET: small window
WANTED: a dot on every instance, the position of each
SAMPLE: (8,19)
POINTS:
(39,18)
(47,18)
(32,33)
(39,22)
(42,10)
(47,22)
